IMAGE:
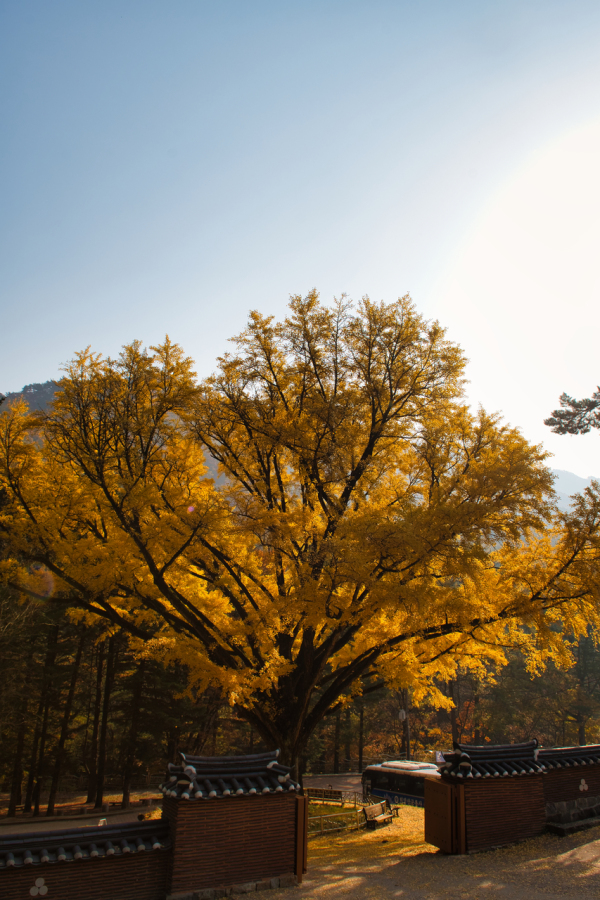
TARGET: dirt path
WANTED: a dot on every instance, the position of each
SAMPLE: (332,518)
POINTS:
(20,826)
(396,862)
(349,782)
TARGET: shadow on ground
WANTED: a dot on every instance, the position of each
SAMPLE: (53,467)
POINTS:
(396,862)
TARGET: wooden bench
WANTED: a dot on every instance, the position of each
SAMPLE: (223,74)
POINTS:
(378,814)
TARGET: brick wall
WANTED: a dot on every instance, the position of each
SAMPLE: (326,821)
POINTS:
(209,843)
(564,784)
(572,794)
(139,877)
(501,810)
(231,840)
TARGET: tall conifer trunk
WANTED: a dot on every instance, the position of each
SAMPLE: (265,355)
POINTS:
(41,764)
(17,773)
(16,784)
(136,701)
(361,734)
(41,724)
(336,743)
(454,711)
(64,730)
(347,739)
(27,806)
(92,756)
(108,684)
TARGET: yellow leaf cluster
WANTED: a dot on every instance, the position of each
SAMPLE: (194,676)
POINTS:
(362,523)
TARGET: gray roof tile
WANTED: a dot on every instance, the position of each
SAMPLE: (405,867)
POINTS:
(207,777)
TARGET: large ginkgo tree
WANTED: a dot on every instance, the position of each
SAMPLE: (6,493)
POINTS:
(362,525)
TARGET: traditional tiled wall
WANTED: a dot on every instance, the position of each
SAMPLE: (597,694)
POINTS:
(203,845)
(566,784)
(572,794)
(139,877)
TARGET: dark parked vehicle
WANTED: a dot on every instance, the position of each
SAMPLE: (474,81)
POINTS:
(398,781)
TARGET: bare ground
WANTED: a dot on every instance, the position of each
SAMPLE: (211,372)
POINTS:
(395,861)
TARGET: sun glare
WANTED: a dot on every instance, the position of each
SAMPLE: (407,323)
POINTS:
(522,294)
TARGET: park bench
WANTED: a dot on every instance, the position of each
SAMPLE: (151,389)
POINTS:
(378,814)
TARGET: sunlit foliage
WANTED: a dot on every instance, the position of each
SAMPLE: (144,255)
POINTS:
(365,524)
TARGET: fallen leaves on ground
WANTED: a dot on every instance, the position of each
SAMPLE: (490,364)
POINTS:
(395,861)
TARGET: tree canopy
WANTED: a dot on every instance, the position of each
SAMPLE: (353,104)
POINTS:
(365,524)
(576,416)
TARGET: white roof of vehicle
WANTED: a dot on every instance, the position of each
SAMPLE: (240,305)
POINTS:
(406,765)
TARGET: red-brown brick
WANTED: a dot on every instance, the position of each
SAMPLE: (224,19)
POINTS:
(501,810)
(564,784)
(139,877)
(231,840)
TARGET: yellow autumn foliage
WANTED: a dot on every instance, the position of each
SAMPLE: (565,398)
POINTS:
(364,523)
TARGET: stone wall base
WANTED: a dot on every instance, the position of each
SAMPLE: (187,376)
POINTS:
(248,888)
(564,811)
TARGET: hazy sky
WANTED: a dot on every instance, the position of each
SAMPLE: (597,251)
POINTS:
(168,166)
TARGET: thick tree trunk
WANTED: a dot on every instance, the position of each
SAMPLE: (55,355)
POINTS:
(108,684)
(64,729)
(136,702)
(286,719)
(92,758)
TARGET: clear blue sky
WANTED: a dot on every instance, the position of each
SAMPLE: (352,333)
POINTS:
(168,166)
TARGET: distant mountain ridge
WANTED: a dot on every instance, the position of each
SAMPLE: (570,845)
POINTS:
(567,483)
(40,396)
(37,395)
